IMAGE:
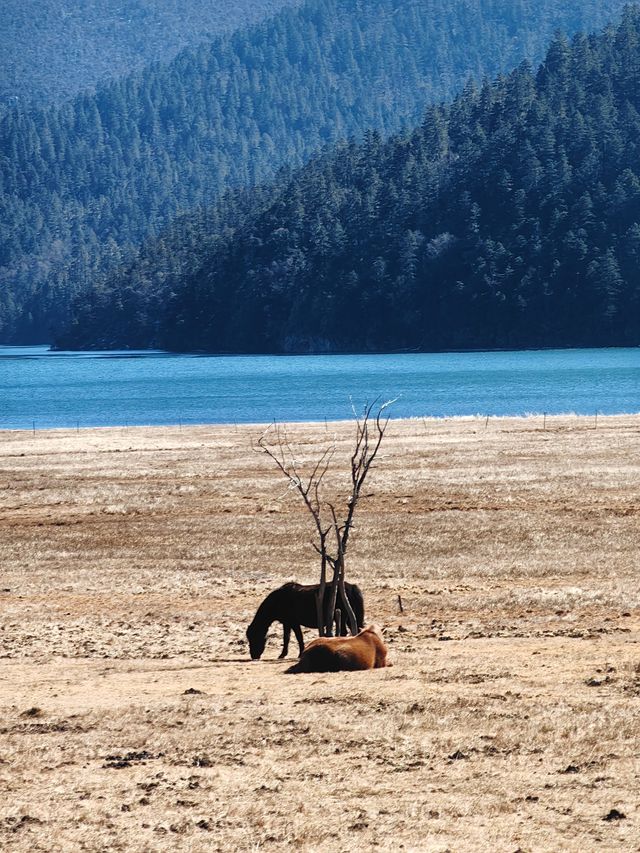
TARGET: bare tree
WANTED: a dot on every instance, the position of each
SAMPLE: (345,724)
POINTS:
(332,528)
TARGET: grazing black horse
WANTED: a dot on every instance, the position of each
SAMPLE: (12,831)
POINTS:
(294,605)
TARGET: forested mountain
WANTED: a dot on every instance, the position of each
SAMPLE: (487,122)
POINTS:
(84,183)
(510,218)
(52,49)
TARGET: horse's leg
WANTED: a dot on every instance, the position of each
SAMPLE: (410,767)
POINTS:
(286,634)
(298,632)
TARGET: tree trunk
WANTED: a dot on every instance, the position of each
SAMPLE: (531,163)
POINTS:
(346,604)
(320,614)
(331,610)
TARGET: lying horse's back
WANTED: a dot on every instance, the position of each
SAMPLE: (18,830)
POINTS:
(366,650)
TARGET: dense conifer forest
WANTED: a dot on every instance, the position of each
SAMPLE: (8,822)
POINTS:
(508,218)
(53,49)
(83,183)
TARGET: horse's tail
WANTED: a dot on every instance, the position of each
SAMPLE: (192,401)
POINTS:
(357,603)
(316,659)
(305,664)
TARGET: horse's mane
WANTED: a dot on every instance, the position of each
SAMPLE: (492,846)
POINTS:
(265,608)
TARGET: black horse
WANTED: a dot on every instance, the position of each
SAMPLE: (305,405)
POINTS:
(294,605)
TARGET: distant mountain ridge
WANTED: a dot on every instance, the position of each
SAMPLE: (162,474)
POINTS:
(508,219)
(53,49)
(82,184)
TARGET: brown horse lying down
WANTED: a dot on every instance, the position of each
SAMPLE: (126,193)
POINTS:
(334,654)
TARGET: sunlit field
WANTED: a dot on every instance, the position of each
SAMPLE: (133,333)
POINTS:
(499,556)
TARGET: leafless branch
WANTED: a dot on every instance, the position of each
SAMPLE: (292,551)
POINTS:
(370,432)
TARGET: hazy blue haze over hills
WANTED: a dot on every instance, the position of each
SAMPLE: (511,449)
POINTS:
(510,218)
(82,184)
(51,49)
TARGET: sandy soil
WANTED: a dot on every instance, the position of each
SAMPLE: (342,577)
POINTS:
(133,560)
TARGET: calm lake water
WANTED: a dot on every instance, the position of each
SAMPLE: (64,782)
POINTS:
(119,388)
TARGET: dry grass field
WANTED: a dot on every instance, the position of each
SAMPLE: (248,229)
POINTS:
(132,561)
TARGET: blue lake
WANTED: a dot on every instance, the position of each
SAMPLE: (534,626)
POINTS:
(118,388)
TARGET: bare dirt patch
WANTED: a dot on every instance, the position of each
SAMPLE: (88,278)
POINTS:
(132,561)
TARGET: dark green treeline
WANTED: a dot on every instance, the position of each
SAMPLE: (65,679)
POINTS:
(83,184)
(510,218)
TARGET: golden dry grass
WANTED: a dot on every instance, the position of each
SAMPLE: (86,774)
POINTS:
(132,561)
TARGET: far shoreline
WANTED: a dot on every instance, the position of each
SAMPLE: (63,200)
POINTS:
(544,422)
(52,348)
